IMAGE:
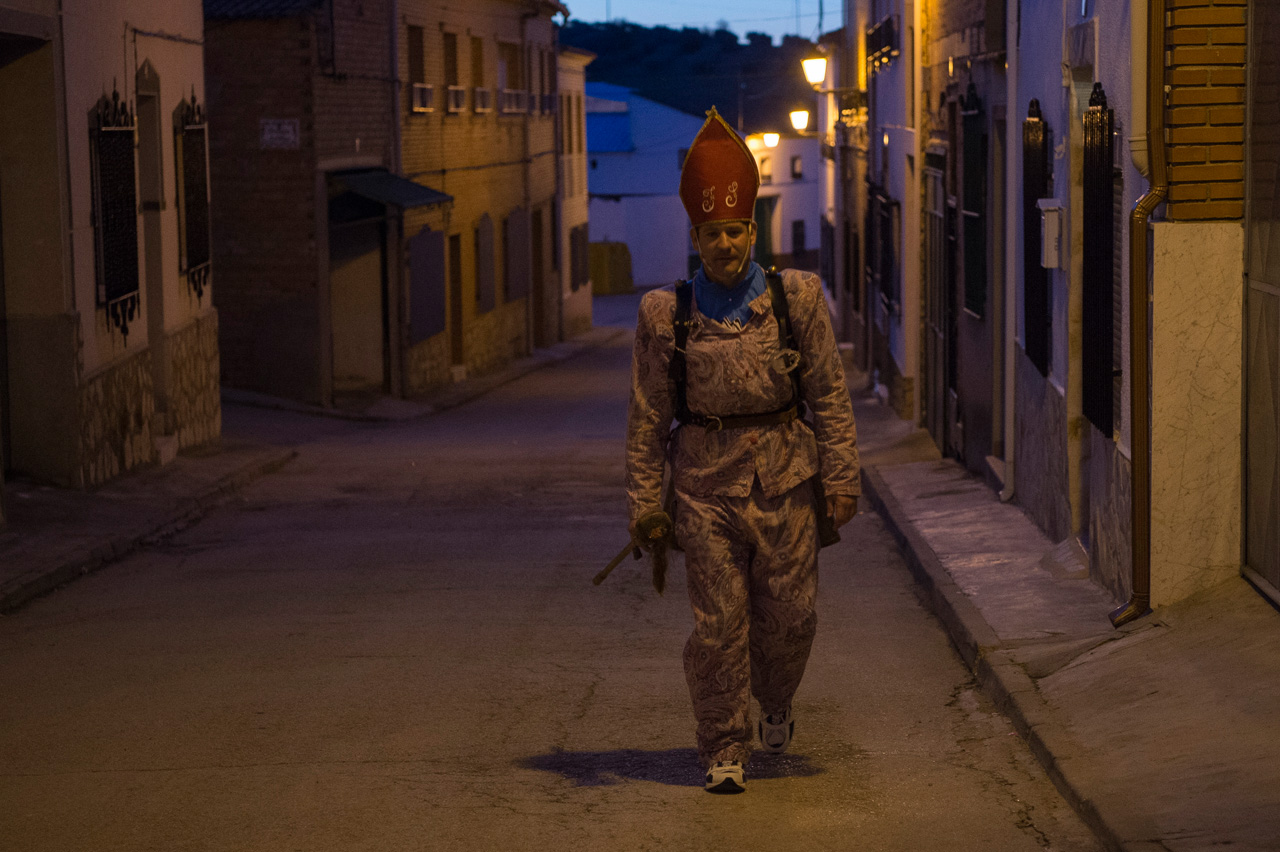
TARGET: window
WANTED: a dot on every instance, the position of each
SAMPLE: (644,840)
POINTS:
(766,170)
(191,159)
(797,168)
(450,59)
(579,268)
(477,61)
(798,246)
(457,94)
(512,96)
(421,93)
(115,211)
(417,56)
(1099,353)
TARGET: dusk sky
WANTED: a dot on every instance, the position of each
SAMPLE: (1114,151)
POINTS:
(776,17)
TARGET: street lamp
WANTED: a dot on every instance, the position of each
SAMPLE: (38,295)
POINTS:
(771,139)
(800,119)
(815,69)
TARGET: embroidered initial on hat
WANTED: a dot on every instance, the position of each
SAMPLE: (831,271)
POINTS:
(718,158)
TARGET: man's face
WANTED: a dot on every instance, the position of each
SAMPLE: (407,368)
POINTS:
(725,248)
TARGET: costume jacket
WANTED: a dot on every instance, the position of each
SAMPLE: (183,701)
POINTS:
(732,371)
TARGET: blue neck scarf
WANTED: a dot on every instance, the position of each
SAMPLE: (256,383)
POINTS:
(730,305)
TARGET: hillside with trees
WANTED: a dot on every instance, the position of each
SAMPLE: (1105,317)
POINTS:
(753,83)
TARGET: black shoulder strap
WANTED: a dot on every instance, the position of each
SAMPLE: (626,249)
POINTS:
(782,314)
(677,369)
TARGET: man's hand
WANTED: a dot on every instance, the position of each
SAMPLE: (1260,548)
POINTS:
(841,508)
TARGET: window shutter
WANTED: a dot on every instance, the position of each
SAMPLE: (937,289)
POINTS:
(517,255)
(427,285)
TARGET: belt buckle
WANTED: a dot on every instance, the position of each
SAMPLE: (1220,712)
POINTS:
(714,424)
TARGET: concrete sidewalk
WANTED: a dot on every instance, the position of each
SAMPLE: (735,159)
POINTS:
(1165,734)
(55,535)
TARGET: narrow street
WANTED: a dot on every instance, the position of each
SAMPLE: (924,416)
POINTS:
(394,644)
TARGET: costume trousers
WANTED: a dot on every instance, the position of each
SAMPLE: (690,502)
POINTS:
(752,566)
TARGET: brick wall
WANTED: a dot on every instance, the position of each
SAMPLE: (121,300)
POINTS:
(1205,59)
(263,203)
(489,162)
(353,103)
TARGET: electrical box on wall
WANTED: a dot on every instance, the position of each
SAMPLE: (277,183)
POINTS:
(1050,232)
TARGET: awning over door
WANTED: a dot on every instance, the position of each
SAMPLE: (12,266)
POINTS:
(382,186)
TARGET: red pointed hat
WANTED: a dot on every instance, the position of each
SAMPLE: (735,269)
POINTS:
(719,180)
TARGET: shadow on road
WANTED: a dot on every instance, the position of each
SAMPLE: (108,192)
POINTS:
(677,767)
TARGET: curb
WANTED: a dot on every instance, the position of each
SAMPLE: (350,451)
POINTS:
(186,512)
(999,674)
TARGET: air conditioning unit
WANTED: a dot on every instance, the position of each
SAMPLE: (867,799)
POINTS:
(423,97)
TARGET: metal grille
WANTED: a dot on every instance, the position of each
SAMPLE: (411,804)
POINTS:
(115,211)
(1098,250)
(1037,328)
(191,150)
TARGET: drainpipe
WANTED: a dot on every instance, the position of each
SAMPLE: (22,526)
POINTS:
(1139,303)
(395,278)
(1012,135)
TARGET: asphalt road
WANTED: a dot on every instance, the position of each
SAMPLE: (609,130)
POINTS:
(394,644)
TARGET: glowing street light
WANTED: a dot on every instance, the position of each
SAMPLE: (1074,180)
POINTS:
(800,119)
(771,139)
(815,69)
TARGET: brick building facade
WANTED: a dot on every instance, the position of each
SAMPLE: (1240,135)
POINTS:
(385,191)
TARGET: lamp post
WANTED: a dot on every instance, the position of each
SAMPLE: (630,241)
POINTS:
(839,139)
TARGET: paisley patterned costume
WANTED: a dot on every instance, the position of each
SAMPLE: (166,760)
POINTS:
(744,512)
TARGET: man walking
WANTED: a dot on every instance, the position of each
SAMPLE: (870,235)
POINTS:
(737,356)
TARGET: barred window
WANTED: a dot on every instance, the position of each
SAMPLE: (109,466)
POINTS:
(192,161)
(1098,320)
(115,210)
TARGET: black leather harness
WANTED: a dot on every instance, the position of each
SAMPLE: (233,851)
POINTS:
(678,369)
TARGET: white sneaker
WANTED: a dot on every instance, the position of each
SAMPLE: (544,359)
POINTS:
(726,776)
(775,732)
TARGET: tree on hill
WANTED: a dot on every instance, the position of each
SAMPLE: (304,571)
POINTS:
(754,84)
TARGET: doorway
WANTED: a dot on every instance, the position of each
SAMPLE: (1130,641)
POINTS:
(457,348)
(937,294)
(357,276)
(543,333)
